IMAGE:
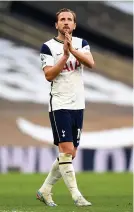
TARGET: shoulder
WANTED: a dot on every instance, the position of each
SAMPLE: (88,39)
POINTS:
(80,41)
(84,43)
(46,47)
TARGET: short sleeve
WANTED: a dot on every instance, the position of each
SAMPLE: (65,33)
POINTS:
(46,56)
(85,46)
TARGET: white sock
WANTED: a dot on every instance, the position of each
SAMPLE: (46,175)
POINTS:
(53,176)
(68,174)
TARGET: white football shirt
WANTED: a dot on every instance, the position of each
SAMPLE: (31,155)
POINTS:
(67,89)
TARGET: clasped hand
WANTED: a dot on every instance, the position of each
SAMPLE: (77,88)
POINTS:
(67,44)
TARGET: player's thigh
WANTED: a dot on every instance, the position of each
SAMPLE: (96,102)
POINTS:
(61,123)
(54,130)
(77,128)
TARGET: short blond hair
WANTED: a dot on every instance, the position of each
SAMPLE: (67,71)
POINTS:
(66,10)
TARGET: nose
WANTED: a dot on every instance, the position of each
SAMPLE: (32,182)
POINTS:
(66,22)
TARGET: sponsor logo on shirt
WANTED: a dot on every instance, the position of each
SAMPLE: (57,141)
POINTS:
(69,66)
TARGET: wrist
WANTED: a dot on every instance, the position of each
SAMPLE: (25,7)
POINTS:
(65,56)
(72,49)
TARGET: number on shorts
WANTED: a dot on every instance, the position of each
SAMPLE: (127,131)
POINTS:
(78,134)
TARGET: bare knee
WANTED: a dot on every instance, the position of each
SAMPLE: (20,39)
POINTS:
(67,147)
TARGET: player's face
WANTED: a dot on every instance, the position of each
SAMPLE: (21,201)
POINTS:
(65,23)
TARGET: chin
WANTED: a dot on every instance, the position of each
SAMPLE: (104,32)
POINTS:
(63,32)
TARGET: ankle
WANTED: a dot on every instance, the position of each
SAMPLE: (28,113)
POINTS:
(46,188)
(75,193)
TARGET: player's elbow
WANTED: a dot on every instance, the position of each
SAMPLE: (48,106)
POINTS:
(92,64)
(48,74)
(48,77)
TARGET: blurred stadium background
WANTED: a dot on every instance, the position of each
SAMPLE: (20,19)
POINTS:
(106,146)
(25,134)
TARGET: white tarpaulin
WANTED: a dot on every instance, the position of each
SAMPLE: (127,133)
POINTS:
(113,138)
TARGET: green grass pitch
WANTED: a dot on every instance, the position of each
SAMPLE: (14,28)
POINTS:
(108,192)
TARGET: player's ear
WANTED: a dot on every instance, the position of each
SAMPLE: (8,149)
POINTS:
(74,26)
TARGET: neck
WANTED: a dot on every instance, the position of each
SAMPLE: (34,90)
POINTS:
(61,36)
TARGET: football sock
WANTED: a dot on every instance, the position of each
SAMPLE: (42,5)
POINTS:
(68,174)
(53,176)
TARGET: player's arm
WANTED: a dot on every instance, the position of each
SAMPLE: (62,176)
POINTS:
(51,72)
(85,57)
(50,69)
